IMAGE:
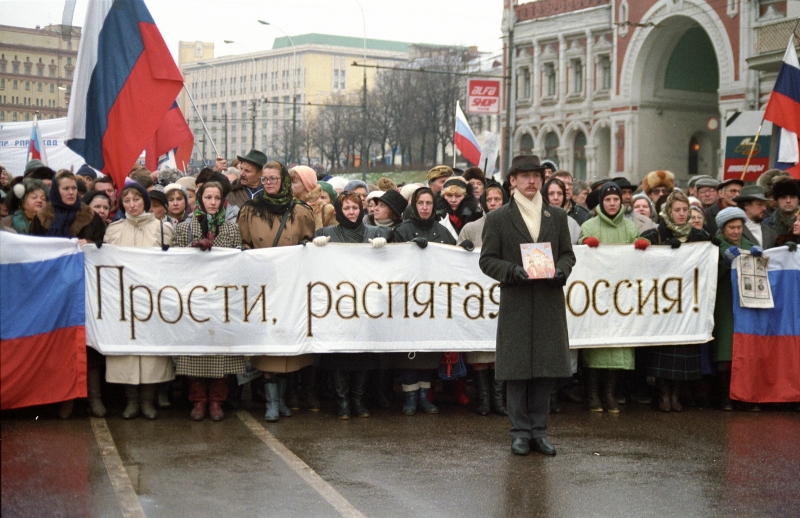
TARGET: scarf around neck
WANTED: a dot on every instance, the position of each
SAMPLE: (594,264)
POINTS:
(531,211)
(141,219)
(210,223)
(679,231)
(64,214)
(415,218)
(20,222)
(267,206)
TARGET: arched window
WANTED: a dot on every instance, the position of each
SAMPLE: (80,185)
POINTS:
(579,157)
(551,147)
(526,144)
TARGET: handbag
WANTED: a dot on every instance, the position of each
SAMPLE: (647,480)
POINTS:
(452,367)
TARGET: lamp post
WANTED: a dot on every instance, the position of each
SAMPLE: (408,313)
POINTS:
(252,89)
(364,100)
(294,89)
(224,103)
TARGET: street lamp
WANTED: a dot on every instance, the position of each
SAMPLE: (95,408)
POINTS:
(364,100)
(294,88)
(252,87)
(224,103)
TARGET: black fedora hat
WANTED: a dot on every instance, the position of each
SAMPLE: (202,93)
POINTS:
(622,183)
(526,163)
(254,157)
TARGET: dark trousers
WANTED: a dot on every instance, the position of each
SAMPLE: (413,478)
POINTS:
(528,405)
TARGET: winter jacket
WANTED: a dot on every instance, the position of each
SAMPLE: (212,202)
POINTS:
(87,224)
(258,233)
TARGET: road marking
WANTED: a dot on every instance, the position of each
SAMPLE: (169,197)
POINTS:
(128,500)
(333,497)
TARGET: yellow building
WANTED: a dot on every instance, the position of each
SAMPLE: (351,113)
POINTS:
(227,89)
(36,67)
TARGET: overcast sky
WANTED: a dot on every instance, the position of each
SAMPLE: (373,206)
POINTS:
(447,22)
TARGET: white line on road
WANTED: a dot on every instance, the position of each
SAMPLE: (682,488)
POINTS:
(333,497)
(128,501)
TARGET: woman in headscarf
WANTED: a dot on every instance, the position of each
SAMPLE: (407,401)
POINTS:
(274,218)
(207,383)
(66,215)
(671,365)
(608,227)
(306,189)
(178,208)
(26,198)
(642,204)
(139,374)
(459,204)
(349,371)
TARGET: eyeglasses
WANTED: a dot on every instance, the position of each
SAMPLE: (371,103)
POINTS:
(660,190)
(270,179)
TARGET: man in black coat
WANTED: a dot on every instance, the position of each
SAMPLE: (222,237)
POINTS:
(532,337)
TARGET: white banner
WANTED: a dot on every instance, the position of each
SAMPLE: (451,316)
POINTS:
(352,297)
(15,138)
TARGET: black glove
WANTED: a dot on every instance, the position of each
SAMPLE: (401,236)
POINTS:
(420,241)
(674,243)
(789,244)
(715,241)
(164,247)
(467,245)
(99,243)
(559,279)
(517,275)
(304,242)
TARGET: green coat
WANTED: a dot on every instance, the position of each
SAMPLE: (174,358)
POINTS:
(723,309)
(619,231)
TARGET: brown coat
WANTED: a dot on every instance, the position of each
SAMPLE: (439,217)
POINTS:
(238,195)
(87,224)
(257,233)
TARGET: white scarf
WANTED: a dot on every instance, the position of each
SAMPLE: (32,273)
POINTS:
(531,211)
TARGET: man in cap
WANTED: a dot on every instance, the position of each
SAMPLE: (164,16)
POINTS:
(691,189)
(437,176)
(549,168)
(727,191)
(249,182)
(87,174)
(754,204)
(532,337)
(787,194)
(642,223)
(706,189)
(657,184)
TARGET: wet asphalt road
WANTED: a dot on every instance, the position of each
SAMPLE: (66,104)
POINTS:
(701,462)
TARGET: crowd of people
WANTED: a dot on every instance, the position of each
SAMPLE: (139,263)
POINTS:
(257,203)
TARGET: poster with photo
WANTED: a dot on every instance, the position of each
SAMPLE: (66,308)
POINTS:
(754,289)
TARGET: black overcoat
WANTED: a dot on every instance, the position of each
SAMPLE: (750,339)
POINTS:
(532,337)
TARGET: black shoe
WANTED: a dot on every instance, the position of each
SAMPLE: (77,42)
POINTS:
(520,446)
(543,446)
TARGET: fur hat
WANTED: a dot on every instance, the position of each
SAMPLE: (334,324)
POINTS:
(729,213)
(658,178)
(21,190)
(769,178)
(475,173)
(384,184)
(168,175)
(785,188)
(438,172)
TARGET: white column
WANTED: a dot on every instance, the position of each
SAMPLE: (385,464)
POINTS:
(588,74)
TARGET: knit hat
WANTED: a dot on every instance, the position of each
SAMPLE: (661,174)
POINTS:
(188,183)
(438,172)
(338,183)
(354,184)
(307,175)
(728,214)
(130,184)
(86,170)
(159,197)
(407,190)
(328,189)
(374,194)
(395,201)
(785,188)
(658,179)
(32,165)
(643,196)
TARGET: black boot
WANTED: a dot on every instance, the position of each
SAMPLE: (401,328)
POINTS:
(358,386)
(482,388)
(609,397)
(410,404)
(341,384)
(593,390)
(724,378)
(498,389)
(310,387)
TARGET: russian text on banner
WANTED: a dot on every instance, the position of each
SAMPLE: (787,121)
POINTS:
(766,342)
(42,333)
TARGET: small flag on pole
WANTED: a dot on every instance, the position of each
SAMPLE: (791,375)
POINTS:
(465,140)
(783,110)
(36,148)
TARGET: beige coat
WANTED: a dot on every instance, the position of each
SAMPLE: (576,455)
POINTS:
(130,369)
(257,233)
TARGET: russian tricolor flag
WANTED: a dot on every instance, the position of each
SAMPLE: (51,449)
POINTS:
(36,148)
(125,82)
(42,326)
(783,109)
(465,140)
(173,135)
(766,342)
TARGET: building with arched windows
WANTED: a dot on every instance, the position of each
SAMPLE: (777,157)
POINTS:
(623,87)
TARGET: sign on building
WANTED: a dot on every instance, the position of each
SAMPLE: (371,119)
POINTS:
(739,141)
(483,96)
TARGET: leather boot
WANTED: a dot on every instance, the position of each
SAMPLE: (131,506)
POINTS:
(93,391)
(217,393)
(198,395)
(593,390)
(358,386)
(65,409)
(424,403)
(411,399)
(724,380)
(283,409)
(341,385)
(292,395)
(147,393)
(675,396)
(664,396)
(132,405)
(481,381)
(609,398)
(310,387)
(460,392)
(498,389)
(272,395)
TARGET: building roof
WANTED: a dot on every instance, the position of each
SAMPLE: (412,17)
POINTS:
(340,41)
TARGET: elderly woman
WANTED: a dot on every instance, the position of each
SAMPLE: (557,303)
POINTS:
(139,374)
(644,206)
(349,371)
(178,208)
(730,222)
(306,189)
(66,215)
(674,364)
(274,218)
(207,373)
(26,198)
(416,369)
(611,227)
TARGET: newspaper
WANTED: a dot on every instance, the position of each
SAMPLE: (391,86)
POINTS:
(754,288)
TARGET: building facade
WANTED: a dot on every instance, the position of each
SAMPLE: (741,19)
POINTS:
(624,87)
(36,67)
(247,100)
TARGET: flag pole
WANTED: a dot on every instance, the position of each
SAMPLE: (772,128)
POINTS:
(201,120)
(752,149)
(455,124)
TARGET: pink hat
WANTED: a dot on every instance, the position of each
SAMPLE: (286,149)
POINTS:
(307,175)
